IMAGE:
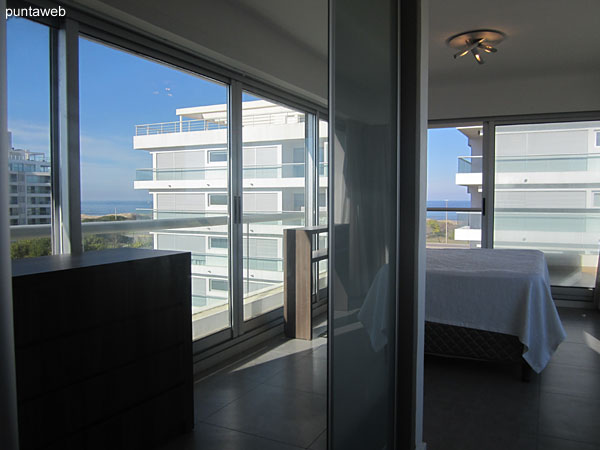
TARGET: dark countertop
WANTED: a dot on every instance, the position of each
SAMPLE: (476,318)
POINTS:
(54,263)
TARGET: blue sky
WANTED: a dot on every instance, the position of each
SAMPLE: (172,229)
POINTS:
(119,90)
(445,145)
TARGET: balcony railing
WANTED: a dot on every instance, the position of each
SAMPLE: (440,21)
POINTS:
(564,162)
(186,126)
(447,227)
(131,226)
(182,126)
(469,164)
(253,263)
(286,170)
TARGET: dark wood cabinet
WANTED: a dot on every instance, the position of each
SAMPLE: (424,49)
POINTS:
(103,347)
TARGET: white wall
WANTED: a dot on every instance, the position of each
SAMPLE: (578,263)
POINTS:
(230,34)
(547,93)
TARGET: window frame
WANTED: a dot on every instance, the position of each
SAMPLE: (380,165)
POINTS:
(66,206)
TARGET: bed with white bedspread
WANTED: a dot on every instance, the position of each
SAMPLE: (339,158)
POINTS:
(495,290)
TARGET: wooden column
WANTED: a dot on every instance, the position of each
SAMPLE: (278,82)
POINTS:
(297,257)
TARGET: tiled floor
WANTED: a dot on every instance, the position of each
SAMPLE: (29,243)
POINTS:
(471,405)
(275,398)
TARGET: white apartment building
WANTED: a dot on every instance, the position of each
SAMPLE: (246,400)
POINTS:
(30,188)
(189,178)
(547,194)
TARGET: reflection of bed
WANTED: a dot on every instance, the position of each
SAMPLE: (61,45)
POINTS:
(492,305)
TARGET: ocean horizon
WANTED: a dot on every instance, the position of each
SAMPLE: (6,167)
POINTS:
(102,208)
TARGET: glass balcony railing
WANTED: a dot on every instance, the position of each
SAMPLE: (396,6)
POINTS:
(453,228)
(548,163)
(252,263)
(470,164)
(533,163)
(286,170)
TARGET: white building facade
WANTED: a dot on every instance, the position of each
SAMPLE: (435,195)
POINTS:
(546,194)
(30,189)
(190,178)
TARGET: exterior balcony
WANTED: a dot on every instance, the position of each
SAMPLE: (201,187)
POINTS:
(469,171)
(558,169)
(275,126)
(286,175)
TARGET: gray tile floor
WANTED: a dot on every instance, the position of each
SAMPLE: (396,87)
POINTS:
(275,398)
(473,405)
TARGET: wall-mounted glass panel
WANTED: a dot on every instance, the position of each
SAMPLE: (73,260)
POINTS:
(273,197)
(154,147)
(454,181)
(546,180)
(29,166)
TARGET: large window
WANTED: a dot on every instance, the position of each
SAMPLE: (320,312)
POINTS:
(454,187)
(154,168)
(28,58)
(545,182)
(273,197)
(178,122)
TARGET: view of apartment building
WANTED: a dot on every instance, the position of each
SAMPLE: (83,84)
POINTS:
(29,187)
(189,179)
(546,194)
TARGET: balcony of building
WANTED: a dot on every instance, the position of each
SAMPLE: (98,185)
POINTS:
(279,124)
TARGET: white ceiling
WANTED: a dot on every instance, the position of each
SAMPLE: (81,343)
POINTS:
(542,35)
(304,21)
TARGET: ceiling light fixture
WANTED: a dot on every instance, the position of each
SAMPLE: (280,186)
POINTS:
(475,42)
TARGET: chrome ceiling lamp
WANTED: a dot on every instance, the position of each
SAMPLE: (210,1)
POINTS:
(476,42)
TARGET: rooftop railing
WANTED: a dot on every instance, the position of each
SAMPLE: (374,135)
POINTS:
(186,126)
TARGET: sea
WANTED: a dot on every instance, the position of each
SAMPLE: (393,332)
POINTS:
(101,208)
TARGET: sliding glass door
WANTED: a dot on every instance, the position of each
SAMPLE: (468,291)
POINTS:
(547,196)
(273,157)
(169,188)
(166,159)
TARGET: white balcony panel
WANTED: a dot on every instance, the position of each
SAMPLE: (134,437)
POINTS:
(169,185)
(249,183)
(467,234)
(273,133)
(210,271)
(552,239)
(550,179)
(260,275)
(279,183)
(469,179)
(180,140)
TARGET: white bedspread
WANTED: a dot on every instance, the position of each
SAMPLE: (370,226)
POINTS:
(506,291)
